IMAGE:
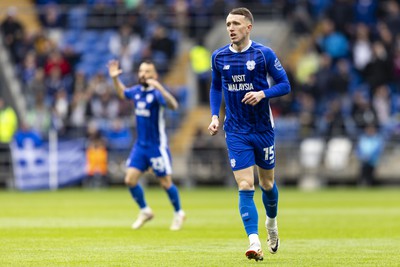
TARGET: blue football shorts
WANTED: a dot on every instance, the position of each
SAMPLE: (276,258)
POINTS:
(245,150)
(143,157)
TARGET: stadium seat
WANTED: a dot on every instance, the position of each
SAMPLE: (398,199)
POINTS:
(311,152)
(77,18)
(338,153)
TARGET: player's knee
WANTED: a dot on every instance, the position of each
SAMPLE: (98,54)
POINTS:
(165,182)
(267,185)
(129,181)
(245,185)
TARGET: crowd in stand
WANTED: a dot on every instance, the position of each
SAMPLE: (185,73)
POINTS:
(345,78)
(348,76)
(60,92)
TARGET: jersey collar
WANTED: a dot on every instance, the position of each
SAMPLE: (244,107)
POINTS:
(244,49)
(143,89)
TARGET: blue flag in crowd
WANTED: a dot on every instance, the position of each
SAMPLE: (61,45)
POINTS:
(39,167)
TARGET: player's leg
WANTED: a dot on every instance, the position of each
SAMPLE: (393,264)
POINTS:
(137,193)
(162,167)
(241,157)
(248,211)
(173,194)
(265,160)
(270,197)
(136,164)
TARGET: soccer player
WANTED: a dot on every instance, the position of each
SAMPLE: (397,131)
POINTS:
(240,71)
(151,148)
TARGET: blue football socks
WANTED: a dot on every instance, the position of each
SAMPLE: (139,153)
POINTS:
(138,195)
(248,211)
(270,200)
(173,195)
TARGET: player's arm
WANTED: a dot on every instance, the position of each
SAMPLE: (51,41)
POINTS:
(114,71)
(278,74)
(215,98)
(169,98)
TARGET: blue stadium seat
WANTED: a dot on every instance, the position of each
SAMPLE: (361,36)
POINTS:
(91,36)
(77,18)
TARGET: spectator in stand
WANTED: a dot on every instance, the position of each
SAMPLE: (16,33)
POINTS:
(379,70)
(13,32)
(79,112)
(396,63)
(334,122)
(28,68)
(299,17)
(53,20)
(361,47)
(180,9)
(27,136)
(366,11)
(8,126)
(199,19)
(332,42)
(26,47)
(369,150)
(118,135)
(104,107)
(8,122)
(54,60)
(51,17)
(162,49)
(80,82)
(35,87)
(43,46)
(342,15)
(60,111)
(307,64)
(201,65)
(96,163)
(324,79)
(392,16)
(362,112)
(341,78)
(39,116)
(386,37)
(307,115)
(126,46)
(54,83)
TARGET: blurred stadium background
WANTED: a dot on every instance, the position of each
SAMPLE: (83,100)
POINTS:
(62,124)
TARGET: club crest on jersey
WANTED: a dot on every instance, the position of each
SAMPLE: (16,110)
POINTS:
(149,98)
(278,64)
(141,105)
(137,96)
(233,163)
(250,64)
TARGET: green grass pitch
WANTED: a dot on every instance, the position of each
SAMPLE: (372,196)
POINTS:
(76,227)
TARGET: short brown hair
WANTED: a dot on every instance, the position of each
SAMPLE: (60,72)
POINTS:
(244,12)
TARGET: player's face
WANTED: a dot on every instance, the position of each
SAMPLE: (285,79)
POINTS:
(146,71)
(238,28)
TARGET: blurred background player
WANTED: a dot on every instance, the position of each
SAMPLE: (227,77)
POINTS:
(151,147)
(240,70)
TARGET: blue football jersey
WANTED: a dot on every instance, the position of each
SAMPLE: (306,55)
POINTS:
(150,120)
(237,73)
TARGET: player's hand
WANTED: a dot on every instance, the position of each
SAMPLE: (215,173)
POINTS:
(153,83)
(214,125)
(113,68)
(253,98)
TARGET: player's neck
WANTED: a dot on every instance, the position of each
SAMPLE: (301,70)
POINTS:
(240,47)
